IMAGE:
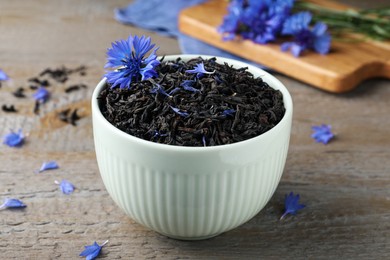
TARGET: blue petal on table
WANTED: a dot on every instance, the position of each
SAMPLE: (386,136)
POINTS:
(12,203)
(50,165)
(3,75)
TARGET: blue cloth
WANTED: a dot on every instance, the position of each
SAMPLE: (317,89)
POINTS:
(160,16)
(155,15)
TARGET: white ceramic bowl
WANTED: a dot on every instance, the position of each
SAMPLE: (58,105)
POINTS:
(192,192)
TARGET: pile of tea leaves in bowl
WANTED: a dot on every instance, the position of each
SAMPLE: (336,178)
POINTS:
(199,102)
(180,108)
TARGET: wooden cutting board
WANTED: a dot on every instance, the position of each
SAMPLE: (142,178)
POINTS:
(341,70)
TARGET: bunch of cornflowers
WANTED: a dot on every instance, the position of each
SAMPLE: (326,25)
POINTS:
(264,21)
(306,24)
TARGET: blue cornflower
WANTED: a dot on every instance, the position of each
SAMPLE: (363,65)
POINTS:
(188,85)
(263,25)
(291,204)
(199,70)
(14,139)
(41,95)
(127,58)
(65,186)
(322,133)
(12,203)
(50,165)
(232,20)
(92,251)
(3,75)
(180,113)
(316,38)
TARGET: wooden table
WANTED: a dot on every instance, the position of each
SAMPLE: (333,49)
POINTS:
(345,184)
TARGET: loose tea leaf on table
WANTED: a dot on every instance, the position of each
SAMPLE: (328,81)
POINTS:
(224,107)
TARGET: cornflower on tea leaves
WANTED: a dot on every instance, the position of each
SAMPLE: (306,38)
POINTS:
(127,60)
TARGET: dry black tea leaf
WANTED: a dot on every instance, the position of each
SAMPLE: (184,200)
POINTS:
(19,93)
(9,108)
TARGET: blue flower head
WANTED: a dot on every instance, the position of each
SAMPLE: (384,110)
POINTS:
(322,134)
(316,38)
(127,60)
(291,204)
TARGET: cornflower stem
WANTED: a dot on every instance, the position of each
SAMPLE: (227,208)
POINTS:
(371,23)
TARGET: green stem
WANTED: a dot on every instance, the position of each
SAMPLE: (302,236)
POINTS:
(373,23)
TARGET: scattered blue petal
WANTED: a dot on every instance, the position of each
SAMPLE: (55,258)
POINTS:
(200,70)
(12,203)
(92,251)
(322,134)
(291,205)
(3,75)
(14,139)
(181,113)
(188,85)
(127,61)
(66,187)
(50,165)
(41,95)
(157,89)
(229,112)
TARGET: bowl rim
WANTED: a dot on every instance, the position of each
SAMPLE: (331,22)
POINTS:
(270,79)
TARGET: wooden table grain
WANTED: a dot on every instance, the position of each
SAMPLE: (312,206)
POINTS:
(345,184)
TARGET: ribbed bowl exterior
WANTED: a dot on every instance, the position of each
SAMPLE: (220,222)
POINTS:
(191,192)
